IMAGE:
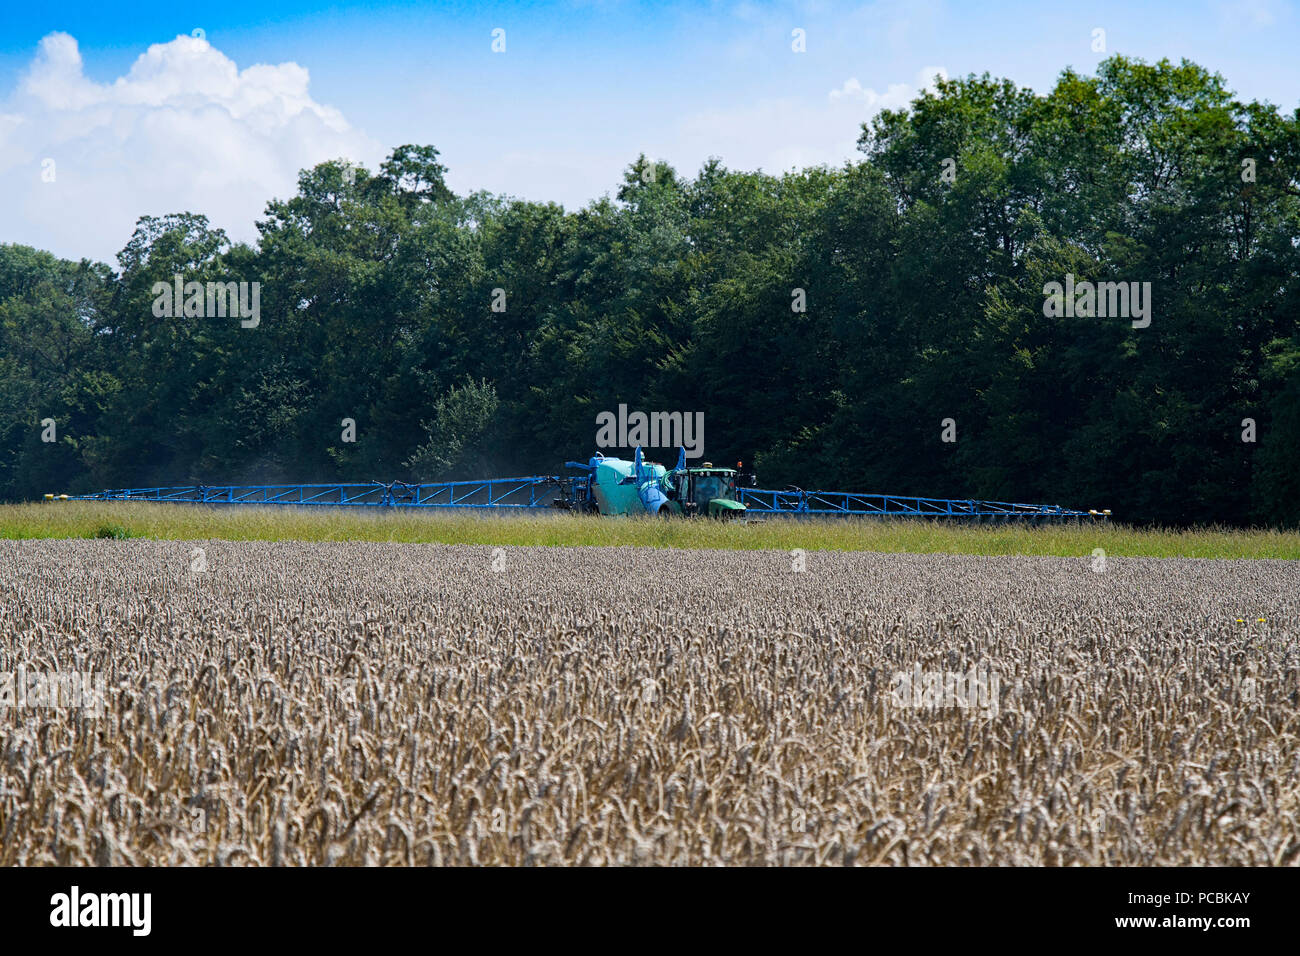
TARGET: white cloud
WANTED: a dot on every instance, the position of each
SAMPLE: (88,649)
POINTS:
(772,134)
(184,130)
(896,94)
(1250,13)
(787,132)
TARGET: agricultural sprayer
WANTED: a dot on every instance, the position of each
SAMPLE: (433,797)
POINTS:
(607,486)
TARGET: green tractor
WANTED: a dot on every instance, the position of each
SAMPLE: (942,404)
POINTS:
(705,491)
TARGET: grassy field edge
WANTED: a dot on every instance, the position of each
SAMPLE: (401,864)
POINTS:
(46,520)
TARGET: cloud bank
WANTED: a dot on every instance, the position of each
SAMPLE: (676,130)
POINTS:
(184,130)
(187,130)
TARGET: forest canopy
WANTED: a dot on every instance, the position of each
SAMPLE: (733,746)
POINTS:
(833,325)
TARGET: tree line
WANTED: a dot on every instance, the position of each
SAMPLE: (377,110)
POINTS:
(890,325)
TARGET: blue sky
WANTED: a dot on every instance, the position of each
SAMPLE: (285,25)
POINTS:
(580,90)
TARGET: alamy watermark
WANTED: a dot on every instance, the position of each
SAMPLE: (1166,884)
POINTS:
(921,689)
(208,300)
(652,430)
(1101,300)
(75,908)
(51,690)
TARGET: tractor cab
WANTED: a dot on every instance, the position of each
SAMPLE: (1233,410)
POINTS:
(706,491)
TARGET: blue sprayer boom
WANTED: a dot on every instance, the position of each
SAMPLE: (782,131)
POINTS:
(610,486)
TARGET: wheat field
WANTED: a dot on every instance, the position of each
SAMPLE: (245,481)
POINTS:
(261,703)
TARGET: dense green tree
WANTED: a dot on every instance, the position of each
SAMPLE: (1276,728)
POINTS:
(827,322)
(461,443)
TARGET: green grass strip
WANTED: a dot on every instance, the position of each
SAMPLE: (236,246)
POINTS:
(122,520)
